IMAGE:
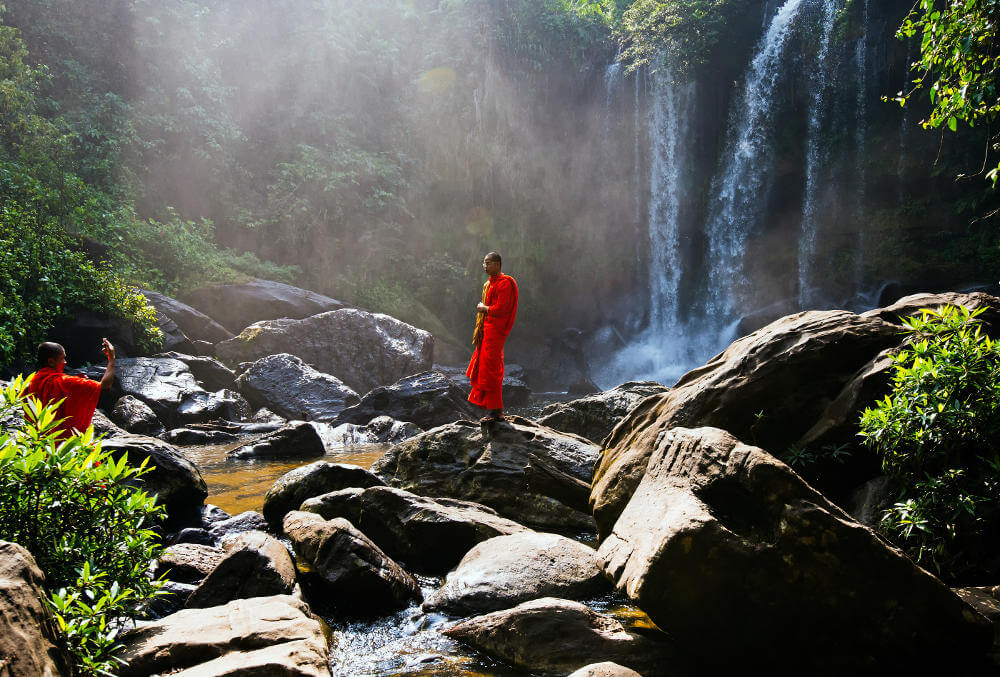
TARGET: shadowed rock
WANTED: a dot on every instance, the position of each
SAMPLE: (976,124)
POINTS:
(196,325)
(595,416)
(605,669)
(135,416)
(428,399)
(291,388)
(315,479)
(211,374)
(297,440)
(254,565)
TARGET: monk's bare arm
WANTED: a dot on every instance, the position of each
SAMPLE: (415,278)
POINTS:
(109,373)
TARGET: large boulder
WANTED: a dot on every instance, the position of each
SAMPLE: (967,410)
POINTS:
(346,569)
(254,565)
(308,481)
(210,374)
(236,306)
(175,480)
(428,399)
(595,416)
(726,548)
(556,636)
(296,440)
(135,416)
(279,632)
(195,325)
(291,388)
(767,388)
(506,570)
(527,472)
(426,534)
(605,669)
(27,631)
(187,562)
(362,349)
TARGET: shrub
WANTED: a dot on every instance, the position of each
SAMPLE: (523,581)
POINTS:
(78,512)
(937,434)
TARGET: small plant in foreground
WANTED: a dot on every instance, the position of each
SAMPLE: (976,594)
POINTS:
(74,507)
(937,435)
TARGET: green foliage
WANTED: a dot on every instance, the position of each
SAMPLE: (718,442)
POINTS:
(76,509)
(937,436)
(802,458)
(959,64)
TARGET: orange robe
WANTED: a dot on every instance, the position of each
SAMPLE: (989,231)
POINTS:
(486,367)
(79,397)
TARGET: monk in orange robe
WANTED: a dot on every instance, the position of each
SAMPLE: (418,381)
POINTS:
(494,319)
(79,395)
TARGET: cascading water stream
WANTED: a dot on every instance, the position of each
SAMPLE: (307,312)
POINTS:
(860,141)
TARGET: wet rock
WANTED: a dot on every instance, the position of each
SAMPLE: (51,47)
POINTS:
(428,399)
(195,535)
(250,520)
(196,325)
(387,430)
(725,548)
(506,570)
(291,388)
(582,387)
(265,415)
(595,416)
(187,562)
(346,568)
(254,565)
(426,534)
(516,392)
(202,406)
(312,480)
(526,472)
(173,478)
(135,416)
(296,440)
(105,426)
(27,630)
(210,514)
(745,390)
(172,598)
(364,350)
(236,306)
(162,383)
(556,636)
(210,374)
(190,437)
(913,304)
(605,669)
(232,632)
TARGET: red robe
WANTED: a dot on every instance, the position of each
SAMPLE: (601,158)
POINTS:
(486,367)
(79,397)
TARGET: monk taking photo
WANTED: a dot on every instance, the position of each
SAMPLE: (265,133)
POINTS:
(494,318)
(79,395)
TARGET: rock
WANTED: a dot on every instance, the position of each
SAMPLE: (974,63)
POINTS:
(135,416)
(203,348)
(194,637)
(210,374)
(105,426)
(347,569)
(196,536)
(532,474)
(557,636)
(287,386)
(516,392)
(202,406)
(870,500)
(296,440)
(254,565)
(362,349)
(196,325)
(506,570)
(187,562)
(175,480)
(581,387)
(595,416)
(172,598)
(428,399)
(173,337)
(387,430)
(913,304)
(746,390)
(190,437)
(162,383)
(426,534)
(291,659)
(311,480)
(245,521)
(265,415)
(726,548)
(27,631)
(236,306)
(605,669)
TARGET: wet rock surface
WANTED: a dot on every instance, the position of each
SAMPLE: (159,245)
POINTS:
(595,416)
(557,636)
(297,440)
(526,472)
(249,520)
(726,547)
(210,374)
(506,570)
(135,416)
(291,388)
(362,349)
(254,564)
(428,399)
(312,480)
(346,569)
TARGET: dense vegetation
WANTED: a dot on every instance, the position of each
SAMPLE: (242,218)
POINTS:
(76,509)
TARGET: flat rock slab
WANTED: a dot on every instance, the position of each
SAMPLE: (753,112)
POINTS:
(346,569)
(726,548)
(254,564)
(526,472)
(309,481)
(292,389)
(296,440)
(428,399)
(557,636)
(193,637)
(288,659)
(595,416)
(504,571)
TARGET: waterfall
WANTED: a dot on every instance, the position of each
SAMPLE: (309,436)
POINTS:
(817,158)
(735,203)
(860,141)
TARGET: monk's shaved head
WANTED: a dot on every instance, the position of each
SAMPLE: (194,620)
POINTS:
(47,351)
(493,256)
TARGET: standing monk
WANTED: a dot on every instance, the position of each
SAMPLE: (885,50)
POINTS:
(79,395)
(494,319)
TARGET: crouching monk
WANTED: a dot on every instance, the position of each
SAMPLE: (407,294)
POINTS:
(79,395)
(494,319)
